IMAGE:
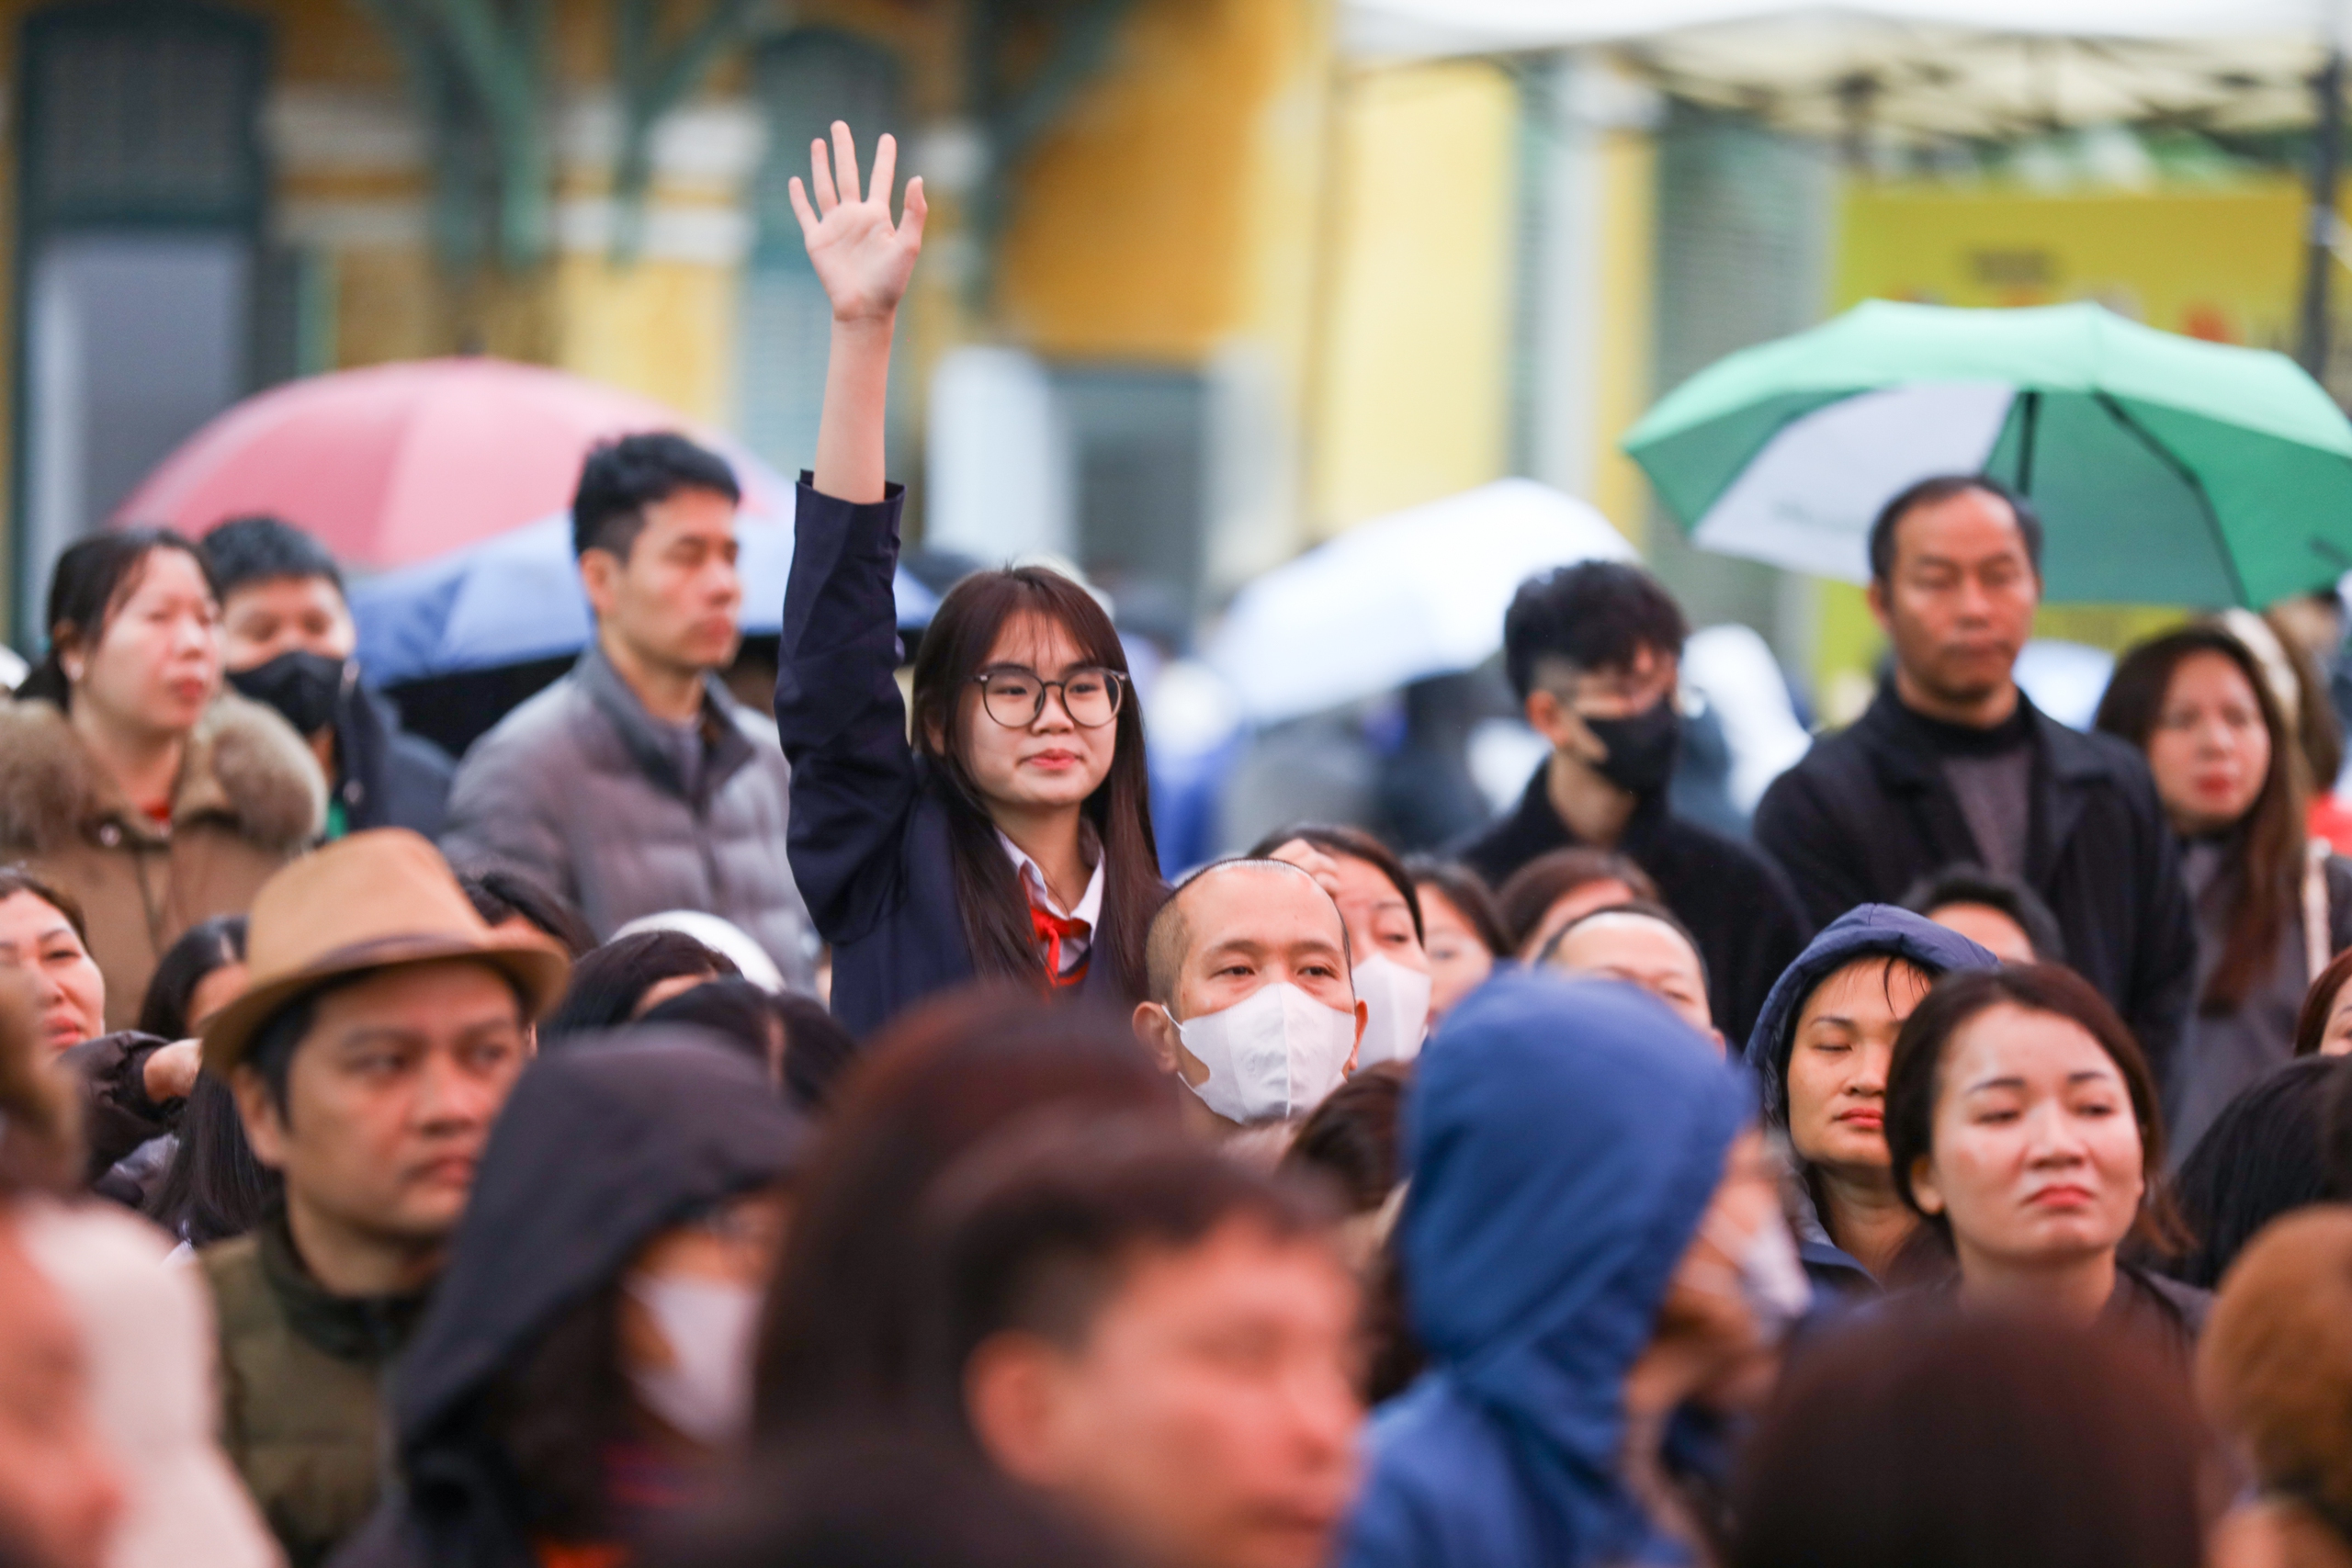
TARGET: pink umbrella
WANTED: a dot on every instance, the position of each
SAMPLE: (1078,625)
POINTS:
(403,463)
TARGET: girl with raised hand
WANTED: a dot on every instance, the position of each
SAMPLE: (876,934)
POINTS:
(1006,833)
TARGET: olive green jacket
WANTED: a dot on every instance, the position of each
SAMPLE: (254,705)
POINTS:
(302,1397)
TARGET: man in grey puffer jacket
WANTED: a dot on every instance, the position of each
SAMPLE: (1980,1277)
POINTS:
(635,784)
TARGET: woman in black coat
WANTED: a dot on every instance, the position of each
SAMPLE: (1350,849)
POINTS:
(1009,833)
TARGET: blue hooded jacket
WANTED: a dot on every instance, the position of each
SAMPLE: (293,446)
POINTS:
(1564,1138)
(1867,930)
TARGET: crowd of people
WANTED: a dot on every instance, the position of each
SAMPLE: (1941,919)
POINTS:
(661,1138)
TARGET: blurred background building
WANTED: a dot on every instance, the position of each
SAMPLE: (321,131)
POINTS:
(1208,281)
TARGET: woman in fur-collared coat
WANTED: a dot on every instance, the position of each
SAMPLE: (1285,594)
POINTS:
(129,778)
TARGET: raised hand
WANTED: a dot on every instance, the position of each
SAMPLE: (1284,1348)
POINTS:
(862,259)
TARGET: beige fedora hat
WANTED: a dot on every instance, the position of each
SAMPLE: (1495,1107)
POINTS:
(375,900)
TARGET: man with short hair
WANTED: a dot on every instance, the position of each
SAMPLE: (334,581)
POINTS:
(380,1030)
(1157,1337)
(1595,653)
(287,640)
(1644,944)
(1251,1001)
(1953,763)
(635,784)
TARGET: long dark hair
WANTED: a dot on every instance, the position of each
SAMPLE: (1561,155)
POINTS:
(202,950)
(2310,1023)
(1914,1081)
(92,580)
(1468,893)
(2264,1153)
(214,1188)
(988,890)
(609,981)
(2270,868)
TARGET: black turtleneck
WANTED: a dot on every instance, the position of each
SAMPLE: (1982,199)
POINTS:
(1990,770)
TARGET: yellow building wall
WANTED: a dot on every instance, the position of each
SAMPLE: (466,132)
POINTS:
(1173,212)
(1624,375)
(662,329)
(1413,398)
(1152,222)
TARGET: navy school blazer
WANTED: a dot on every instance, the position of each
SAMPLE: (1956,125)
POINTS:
(868,835)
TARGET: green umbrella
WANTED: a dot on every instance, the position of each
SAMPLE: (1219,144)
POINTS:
(2167,470)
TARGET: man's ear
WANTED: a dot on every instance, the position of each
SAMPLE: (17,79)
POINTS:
(1156,1034)
(600,573)
(1544,716)
(1355,1048)
(1011,1389)
(1881,605)
(257,1109)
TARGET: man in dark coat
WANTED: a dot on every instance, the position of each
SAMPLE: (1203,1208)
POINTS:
(1953,763)
(1594,651)
(290,642)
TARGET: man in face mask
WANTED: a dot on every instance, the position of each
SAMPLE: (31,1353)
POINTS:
(288,641)
(1251,1004)
(1595,651)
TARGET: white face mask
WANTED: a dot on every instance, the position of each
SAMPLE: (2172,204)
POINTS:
(705,1391)
(1399,1000)
(1274,1053)
(1771,1279)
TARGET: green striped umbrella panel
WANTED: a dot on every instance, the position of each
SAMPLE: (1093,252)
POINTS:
(2166,470)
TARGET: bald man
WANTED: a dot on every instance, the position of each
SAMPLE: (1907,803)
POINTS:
(1250,1000)
(1643,943)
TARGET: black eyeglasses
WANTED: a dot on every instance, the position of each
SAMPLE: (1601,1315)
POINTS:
(1015,697)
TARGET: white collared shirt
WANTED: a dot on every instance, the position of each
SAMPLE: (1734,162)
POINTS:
(1089,909)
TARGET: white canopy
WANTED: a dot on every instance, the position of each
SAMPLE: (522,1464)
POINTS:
(1935,67)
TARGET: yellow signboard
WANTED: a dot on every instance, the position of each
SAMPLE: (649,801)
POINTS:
(2221,264)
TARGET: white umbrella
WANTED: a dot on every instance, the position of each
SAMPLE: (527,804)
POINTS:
(1415,593)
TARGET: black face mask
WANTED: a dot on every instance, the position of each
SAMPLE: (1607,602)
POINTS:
(1641,747)
(304,687)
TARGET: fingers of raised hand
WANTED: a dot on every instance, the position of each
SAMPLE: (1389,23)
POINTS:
(801,210)
(820,176)
(910,224)
(846,161)
(886,169)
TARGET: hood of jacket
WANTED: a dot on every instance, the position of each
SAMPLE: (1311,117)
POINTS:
(604,1143)
(1867,930)
(1564,1138)
(245,766)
